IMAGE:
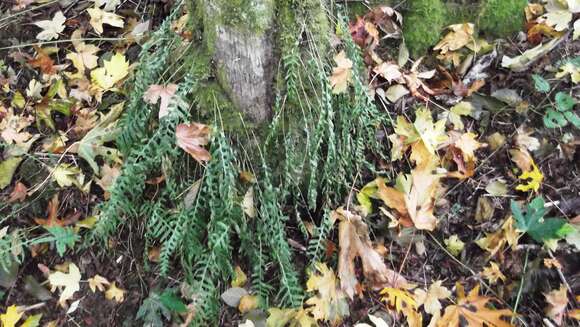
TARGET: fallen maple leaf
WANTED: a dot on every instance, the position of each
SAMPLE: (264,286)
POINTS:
(100,17)
(535,177)
(354,241)
(165,93)
(402,300)
(110,5)
(11,317)
(472,311)
(430,299)
(97,282)
(114,70)
(115,293)
(70,282)
(51,28)
(341,74)
(557,301)
(191,138)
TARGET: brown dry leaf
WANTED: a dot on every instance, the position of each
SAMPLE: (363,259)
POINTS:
(391,197)
(506,235)
(43,61)
(472,311)
(557,301)
(341,74)
(191,138)
(52,215)
(462,150)
(354,241)
(165,93)
(154,254)
(18,194)
(522,158)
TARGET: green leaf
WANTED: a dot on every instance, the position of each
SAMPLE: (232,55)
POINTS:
(364,197)
(533,222)
(172,301)
(63,237)
(554,119)
(152,311)
(540,84)
(564,102)
(32,321)
(573,118)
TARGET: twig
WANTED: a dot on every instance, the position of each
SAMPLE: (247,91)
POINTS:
(521,288)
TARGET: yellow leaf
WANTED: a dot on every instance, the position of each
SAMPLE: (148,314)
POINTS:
(97,282)
(431,133)
(32,321)
(536,177)
(248,303)
(398,298)
(330,302)
(11,317)
(100,17)
(113,71)
(69,281)
(559,19)
(570,68)
(115,293)
(492,273)
(461,109)
(458,37)
(341,74)
(454,244)
(240,277)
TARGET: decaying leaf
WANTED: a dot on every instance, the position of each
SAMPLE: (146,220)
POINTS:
(472,311)
(191,138)
(354,241)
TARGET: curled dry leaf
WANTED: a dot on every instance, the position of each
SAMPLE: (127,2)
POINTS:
(191,138)
(354,241)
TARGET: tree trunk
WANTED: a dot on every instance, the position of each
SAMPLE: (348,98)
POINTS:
(240,35)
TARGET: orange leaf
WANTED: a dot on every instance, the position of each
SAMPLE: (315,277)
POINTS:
(52,215)
(18,194)
(472,311)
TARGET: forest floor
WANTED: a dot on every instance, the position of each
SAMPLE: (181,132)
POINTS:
(500,128)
